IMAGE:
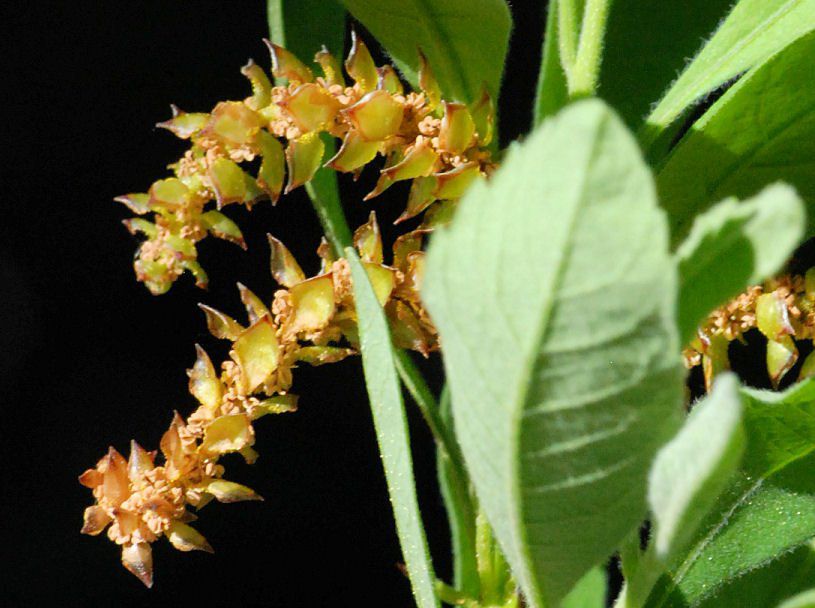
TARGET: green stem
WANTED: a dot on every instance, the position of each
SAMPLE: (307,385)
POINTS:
(568,28)
(428,406)
(586,72)
(323,192)
(459,504)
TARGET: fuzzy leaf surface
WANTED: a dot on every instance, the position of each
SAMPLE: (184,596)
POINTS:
(465,41)
(553,290)
(768,509)
(690,471)
(753,31)
(761,131)
(647,44)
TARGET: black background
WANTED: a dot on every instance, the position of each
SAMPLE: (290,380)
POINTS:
(89,358)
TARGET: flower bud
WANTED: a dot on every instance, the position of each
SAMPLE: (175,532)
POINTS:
(234,124)
(360,65)
(354,153)
(95,519)
(223,228)
(303,157)
(279,404)
(808,368)
(186,538)
(382,280)
(204,383)
(115,482)
(135,225)
(139,462)
(406,244)
(420,197)
(138,559)
(255,308)
(285,269)
(137,202)
(332,70)
(313,303)
(368,241)
(286,65)
(454,183)
(772,317)
(320,355)
(483,113)
(418,162)
(169,194)
(256,351)
(781,356)
(428,82)
(261,87)
(184,125)
(272,165)
(220,325)
(311,107)
(231,184)
(388,80)
(228,491)
(376,116)
(457,128)
(227,434)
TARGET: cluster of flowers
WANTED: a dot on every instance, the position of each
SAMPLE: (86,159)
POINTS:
(783,309)
(307,321)
(439,145)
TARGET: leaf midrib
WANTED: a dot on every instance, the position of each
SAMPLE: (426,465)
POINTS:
(541,332)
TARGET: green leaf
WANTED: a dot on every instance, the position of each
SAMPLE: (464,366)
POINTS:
(735,245)
(754,31)
(304,27)
(693,468)
(556,311)
(465,41)
(770,584)
(802,600)
(589,592)
(390,423)
(647,45)
(769,508)
(761,131)
(552,91)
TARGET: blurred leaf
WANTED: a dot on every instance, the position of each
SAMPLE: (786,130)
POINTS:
(589,592)
(552,92)
(465,41)
(556,312)
(734,245)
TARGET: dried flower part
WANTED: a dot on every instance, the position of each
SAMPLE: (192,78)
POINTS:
(311,320)
(783,310)
(440,145)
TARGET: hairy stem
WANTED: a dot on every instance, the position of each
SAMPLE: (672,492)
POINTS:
(586,72)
